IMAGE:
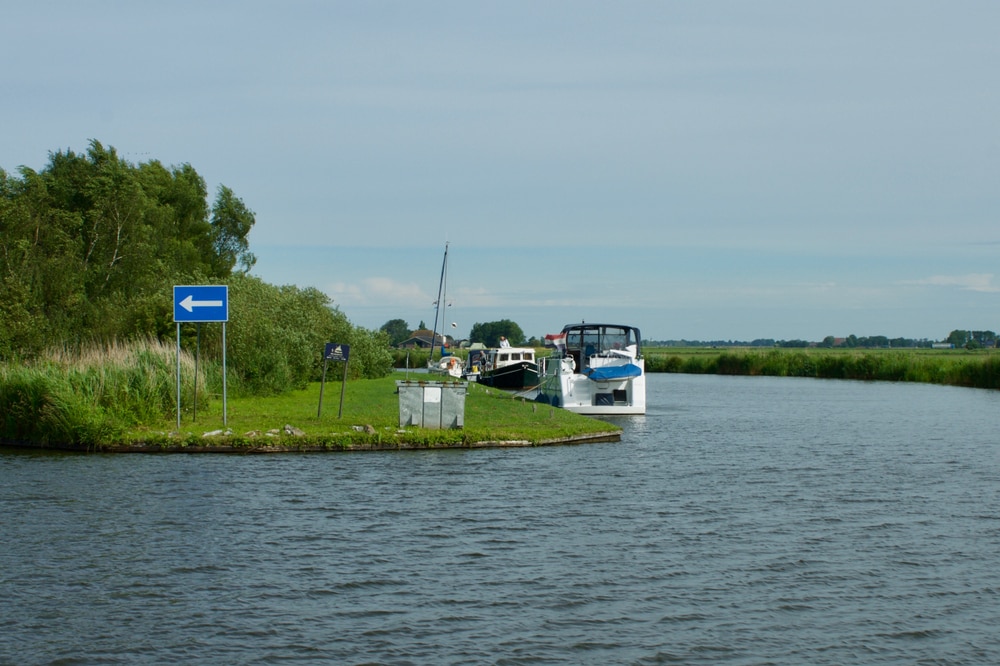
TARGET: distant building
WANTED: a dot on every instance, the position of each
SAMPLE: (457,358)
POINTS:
(421,339)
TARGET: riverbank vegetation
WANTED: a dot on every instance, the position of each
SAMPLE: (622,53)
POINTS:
(959,367)
(121,396)
(92,245)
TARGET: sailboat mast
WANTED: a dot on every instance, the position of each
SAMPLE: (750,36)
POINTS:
(441,295)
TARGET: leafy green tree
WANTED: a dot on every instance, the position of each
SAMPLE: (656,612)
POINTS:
(276,337)
(397,330)
(489,333)
(91,244)
(958,338)
(231,224)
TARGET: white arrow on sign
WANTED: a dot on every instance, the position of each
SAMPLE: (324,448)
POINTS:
(190,304)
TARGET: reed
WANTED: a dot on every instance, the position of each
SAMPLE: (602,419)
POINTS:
(958,368)
(93,394)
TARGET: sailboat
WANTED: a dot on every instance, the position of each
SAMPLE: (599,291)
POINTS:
(446,364)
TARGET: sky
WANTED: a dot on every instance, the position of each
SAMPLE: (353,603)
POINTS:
(724,170)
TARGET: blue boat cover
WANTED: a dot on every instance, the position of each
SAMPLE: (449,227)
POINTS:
(614,372)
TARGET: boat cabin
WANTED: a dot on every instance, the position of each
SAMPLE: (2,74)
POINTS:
(584,342)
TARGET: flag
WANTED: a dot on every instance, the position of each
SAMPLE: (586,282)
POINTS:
(557,340)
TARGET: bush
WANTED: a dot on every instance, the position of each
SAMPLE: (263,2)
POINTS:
(276,337)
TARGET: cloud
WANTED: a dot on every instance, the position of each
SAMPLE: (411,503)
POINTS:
(377,291)
(981,282)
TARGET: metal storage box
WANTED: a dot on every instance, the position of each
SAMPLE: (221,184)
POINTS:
(429,404)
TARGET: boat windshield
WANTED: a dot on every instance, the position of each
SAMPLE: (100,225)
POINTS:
(600,339)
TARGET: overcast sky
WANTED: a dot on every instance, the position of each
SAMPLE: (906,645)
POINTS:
(702,170)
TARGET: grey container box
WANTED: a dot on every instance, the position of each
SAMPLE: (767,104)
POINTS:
(432,405)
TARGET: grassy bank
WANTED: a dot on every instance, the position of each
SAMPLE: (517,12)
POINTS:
(974,369)
(371,420)
(124,397)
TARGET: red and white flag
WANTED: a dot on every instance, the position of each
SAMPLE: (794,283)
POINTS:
(557,340)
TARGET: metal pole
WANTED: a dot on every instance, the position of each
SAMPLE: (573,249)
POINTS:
(322,382)
(223,373)
(343,383)
(197,354)
(437,308)
(178,377)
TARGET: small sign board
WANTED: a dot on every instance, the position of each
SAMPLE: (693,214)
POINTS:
(201,303)
(337,352)
(334,351)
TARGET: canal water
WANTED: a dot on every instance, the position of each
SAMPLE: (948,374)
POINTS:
(741,521)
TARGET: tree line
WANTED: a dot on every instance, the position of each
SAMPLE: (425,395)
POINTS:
(91,245)
(488,333)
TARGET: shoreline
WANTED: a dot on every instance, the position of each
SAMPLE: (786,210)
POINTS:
(288,445)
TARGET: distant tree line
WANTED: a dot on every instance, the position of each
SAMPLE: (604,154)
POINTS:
(91,245)
(487,333)
(958,338)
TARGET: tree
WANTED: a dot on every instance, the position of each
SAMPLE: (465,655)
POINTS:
(90,246)
(489,333)
(397,330)
(231,224)
(958,338)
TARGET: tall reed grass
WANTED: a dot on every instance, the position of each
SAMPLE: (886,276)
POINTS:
(974,371)
(92,395)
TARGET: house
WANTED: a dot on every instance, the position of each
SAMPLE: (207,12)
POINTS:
(421,339)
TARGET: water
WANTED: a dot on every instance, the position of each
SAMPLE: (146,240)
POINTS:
(741,521)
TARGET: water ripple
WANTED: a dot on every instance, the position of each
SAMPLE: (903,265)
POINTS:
(790,522)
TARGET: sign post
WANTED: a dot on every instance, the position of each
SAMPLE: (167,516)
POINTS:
(334,352)
(200,304)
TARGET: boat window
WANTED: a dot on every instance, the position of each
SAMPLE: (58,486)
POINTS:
(503,357)
(614,339)
(529,356)
(592,340)
(515,357)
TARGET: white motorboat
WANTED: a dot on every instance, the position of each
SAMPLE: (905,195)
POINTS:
(595,369)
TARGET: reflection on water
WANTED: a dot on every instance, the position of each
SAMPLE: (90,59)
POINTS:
(742,520)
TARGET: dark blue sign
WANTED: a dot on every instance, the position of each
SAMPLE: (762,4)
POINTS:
(336,352)
(201,303)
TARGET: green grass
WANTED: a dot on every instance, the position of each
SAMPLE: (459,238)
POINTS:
(371,419)
(120,396)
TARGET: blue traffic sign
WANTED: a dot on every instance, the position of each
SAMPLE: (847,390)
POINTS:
(201,303)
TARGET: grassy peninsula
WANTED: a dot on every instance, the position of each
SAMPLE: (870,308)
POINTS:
(123,398)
